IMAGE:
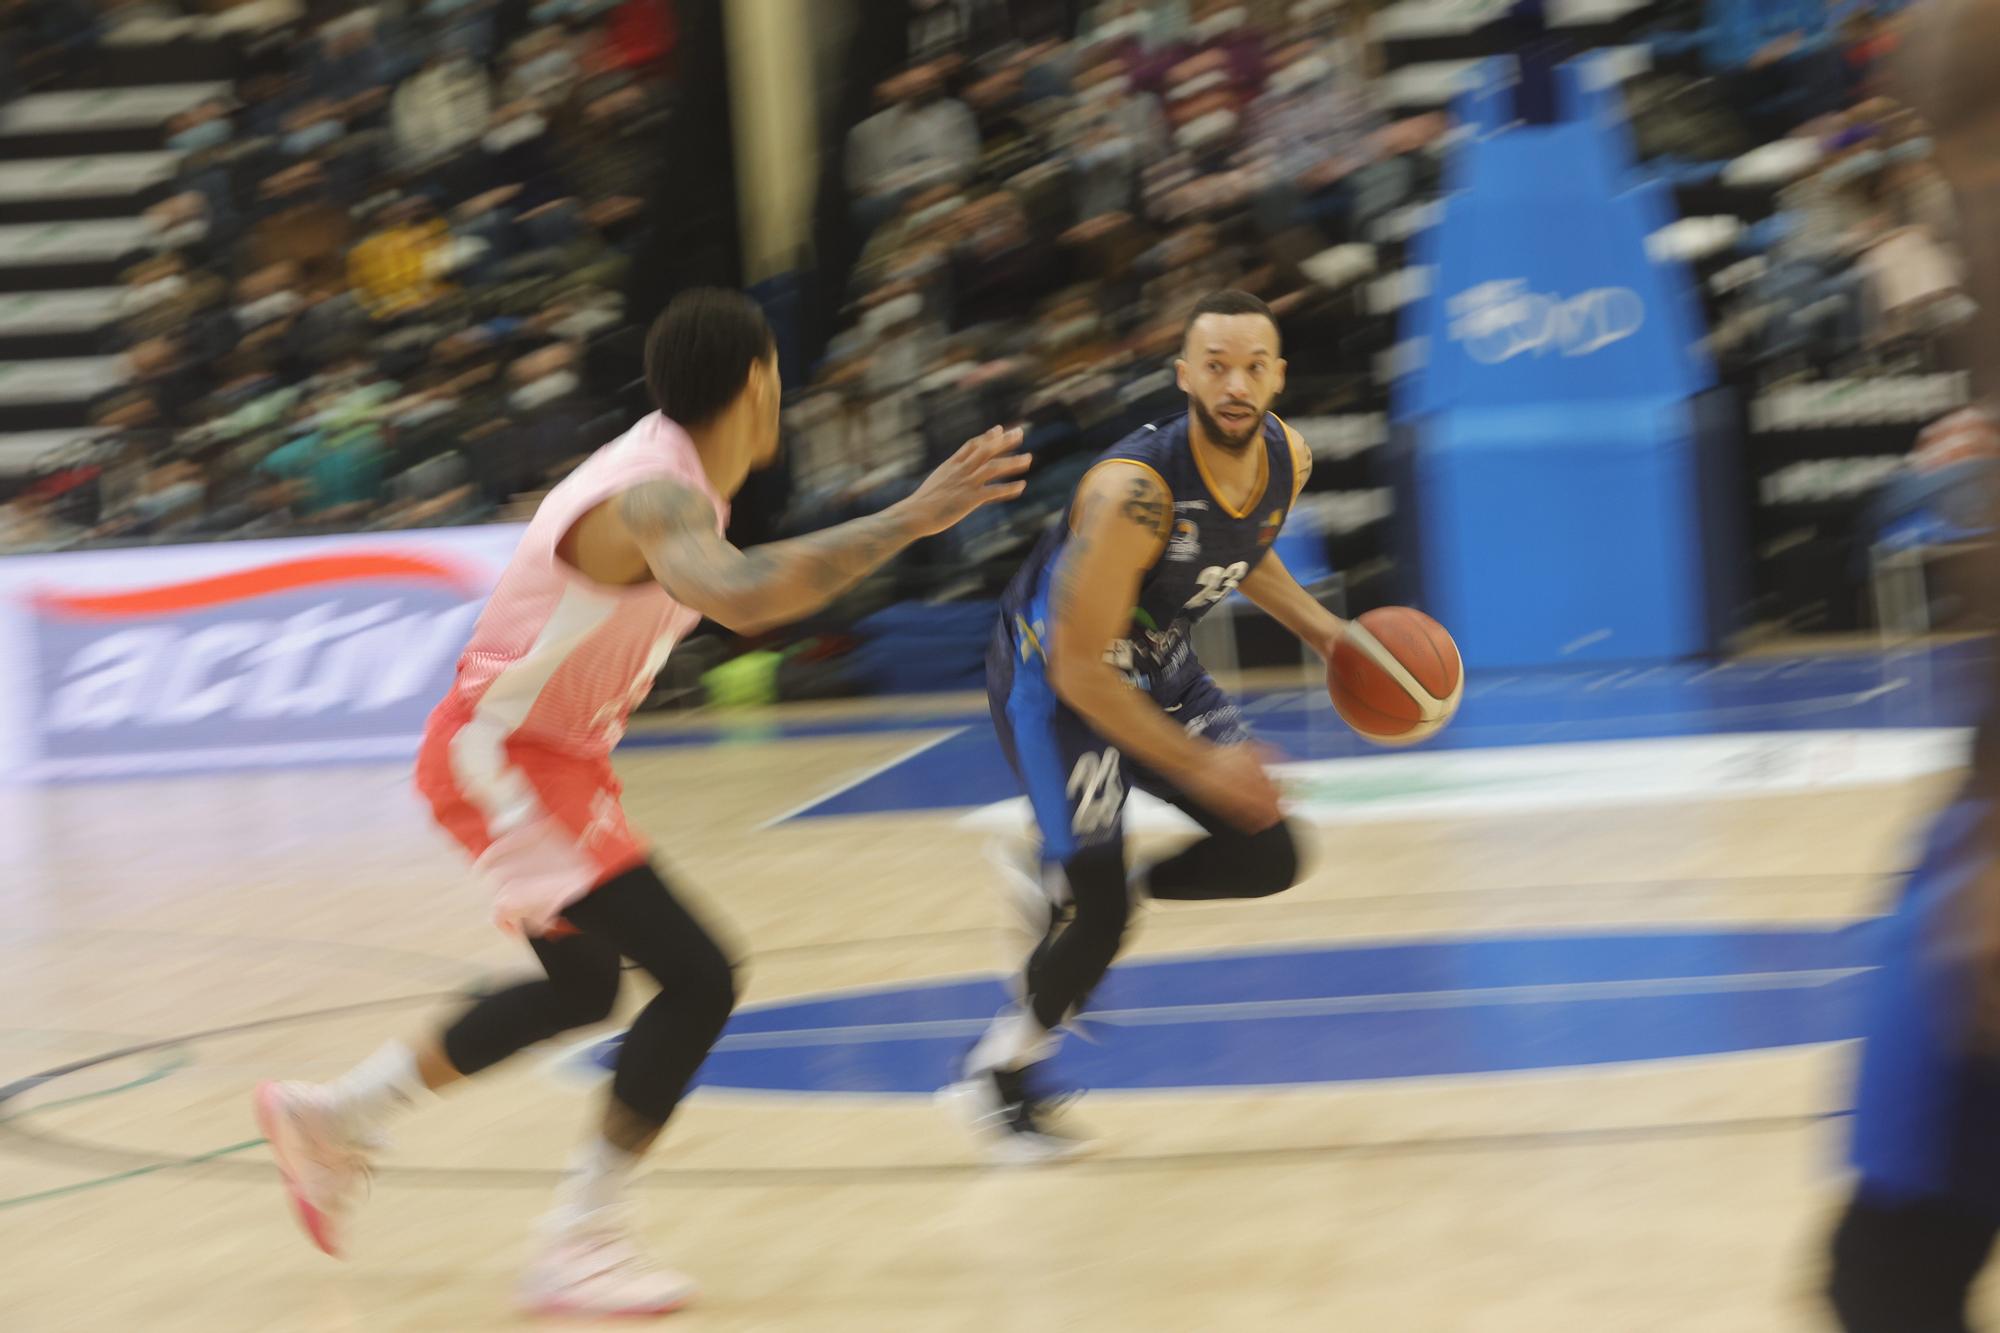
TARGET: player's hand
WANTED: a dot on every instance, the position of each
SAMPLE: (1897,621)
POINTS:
(986,468)
(1235,783)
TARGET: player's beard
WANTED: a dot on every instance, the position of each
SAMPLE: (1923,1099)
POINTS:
(1219,435)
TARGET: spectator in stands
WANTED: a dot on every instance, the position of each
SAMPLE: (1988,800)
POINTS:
(440,110)
(542,66)
(463,28)
(203,135)
(150,284)
(1110,138)
(1867,38)
(171,499)
(957,30)
(611,150)
(1775,59)
(338,469)
(999,275)
(399,268)
(176,384)
(268,304)
(1137,27)
(516,151)
(348,69)
(309,129)
(1310,132)
(29,522)
(637,37)
(920,139)
(301,221)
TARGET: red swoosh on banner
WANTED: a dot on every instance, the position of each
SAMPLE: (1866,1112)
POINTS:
(263,580)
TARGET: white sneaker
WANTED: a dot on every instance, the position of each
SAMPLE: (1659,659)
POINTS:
(325,1171)
(588,1266)
(1001,1110)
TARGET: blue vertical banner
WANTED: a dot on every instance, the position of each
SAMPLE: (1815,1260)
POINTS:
(1555,462)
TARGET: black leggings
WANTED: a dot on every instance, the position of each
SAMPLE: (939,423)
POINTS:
(633,915)
(1907,1267)
(1225,864)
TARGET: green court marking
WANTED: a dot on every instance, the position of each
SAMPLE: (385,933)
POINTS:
(181,1060)
(80,1186)
(1363,790)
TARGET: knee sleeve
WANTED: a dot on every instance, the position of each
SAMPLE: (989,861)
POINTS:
(1271,861)
(1229,864)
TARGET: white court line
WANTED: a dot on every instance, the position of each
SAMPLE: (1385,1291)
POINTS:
(1887,687)
(1318,1007)
(877,771)
(143,763)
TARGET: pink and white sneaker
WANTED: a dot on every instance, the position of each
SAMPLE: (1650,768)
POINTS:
(588,1266)
(325,1171)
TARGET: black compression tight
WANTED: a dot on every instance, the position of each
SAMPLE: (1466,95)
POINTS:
(1225,864)
(1907,1267)
(633,915)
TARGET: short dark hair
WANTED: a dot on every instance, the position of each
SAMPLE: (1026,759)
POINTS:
(1228,301)
(700,350)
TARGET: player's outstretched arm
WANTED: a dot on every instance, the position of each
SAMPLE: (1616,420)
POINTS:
(1273,589)
(766,586)
(1119,524)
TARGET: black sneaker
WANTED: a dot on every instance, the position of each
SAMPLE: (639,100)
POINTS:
(1004,1109)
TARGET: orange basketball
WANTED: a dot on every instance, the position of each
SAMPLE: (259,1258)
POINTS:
(1395,676)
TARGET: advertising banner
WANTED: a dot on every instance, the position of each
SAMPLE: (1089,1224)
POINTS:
(235,654)
(1548,433)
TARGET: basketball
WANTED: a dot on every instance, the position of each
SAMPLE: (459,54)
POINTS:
(1395,676)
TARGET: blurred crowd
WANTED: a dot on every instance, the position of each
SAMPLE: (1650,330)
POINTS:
(1036,218)
(375,283)
(1844,260)
(369,296)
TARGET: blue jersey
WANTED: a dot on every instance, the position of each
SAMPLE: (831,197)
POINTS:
(1211,549)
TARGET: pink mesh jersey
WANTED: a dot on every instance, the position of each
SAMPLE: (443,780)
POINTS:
(516,760)
(556,659)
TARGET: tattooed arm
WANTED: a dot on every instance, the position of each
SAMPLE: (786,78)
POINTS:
(750,591)
(1119,526)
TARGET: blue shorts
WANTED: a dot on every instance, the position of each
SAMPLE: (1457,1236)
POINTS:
(1927,1108)
(1075,779)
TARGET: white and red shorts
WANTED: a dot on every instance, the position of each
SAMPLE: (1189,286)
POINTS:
(543,826)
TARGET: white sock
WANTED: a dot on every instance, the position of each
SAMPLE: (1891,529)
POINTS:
(367,1097)
(1014,1040)
(596,1177)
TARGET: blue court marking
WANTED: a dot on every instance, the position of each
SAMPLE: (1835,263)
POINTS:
(1337,1014)
(1932,688)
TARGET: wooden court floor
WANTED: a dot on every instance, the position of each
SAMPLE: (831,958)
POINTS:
(225,929)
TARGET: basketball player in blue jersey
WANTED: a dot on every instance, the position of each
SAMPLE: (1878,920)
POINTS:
(1095,689)
(1925,1143)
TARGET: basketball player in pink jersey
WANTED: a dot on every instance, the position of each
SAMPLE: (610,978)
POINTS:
(621,560)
